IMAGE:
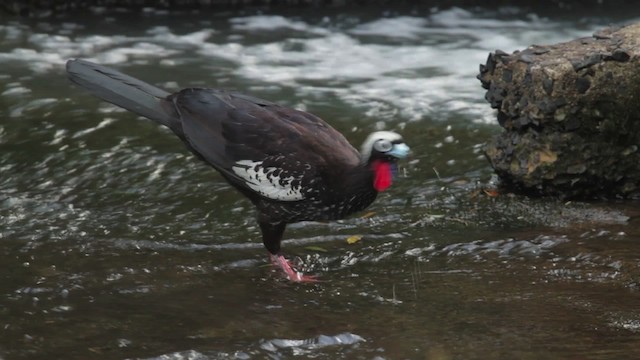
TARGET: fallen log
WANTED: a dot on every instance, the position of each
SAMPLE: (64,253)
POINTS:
(571,116)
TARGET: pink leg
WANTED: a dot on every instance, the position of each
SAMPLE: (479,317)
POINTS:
(292,275)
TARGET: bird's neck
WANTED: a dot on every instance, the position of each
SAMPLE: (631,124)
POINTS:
(366,178)
(382,170)
(359,179)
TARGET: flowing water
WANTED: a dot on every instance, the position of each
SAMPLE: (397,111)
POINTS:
(116,243)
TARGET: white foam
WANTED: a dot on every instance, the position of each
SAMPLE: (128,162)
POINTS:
(273,23)
(104,123)
(397,66)
(138,50)
(31,105)
(50,51)
(397,27)
(164,35)
(15,90)
(368,74)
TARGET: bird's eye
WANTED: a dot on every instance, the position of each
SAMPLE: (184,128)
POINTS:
(382,145)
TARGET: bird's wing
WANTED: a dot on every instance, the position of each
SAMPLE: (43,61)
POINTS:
(276,152)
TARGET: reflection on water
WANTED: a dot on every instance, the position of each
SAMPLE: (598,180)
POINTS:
(116,243)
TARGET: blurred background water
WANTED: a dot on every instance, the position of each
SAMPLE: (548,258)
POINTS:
(116,243)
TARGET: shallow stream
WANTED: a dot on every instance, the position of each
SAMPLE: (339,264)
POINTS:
(116,243)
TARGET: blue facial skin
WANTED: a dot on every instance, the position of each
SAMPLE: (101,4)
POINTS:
(399,151)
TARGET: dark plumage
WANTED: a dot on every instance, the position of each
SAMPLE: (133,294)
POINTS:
(290,164)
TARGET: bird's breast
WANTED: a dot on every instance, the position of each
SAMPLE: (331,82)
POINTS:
(320,207)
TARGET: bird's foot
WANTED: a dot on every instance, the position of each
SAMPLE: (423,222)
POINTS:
(290,272)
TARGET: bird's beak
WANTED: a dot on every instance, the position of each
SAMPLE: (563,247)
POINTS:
(399,151)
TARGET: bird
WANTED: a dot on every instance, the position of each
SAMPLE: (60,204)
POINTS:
(290,164)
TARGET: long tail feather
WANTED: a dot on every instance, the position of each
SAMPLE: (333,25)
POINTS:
(120,89)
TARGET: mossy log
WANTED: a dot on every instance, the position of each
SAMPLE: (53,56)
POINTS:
(571,116)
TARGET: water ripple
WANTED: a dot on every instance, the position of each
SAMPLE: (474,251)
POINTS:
(506,247)
(274,348)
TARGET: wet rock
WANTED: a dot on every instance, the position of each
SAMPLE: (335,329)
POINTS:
(570,115)
(582,85)
(482,205)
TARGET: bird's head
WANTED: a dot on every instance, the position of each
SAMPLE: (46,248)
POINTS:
(381,151)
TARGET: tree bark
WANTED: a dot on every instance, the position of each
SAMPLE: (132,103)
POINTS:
(570,114)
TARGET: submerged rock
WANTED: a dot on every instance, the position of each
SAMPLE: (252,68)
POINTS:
(571,116)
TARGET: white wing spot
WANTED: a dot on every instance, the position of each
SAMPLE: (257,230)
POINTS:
(263,181)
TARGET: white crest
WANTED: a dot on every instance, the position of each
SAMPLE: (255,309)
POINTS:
(367,145)
(267,181)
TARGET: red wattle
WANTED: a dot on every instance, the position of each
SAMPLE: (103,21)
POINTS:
(382,175)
